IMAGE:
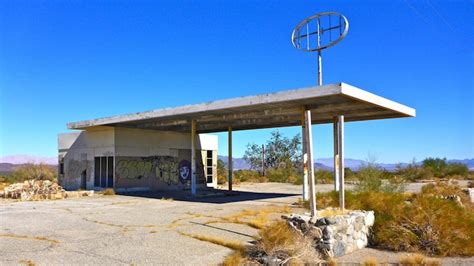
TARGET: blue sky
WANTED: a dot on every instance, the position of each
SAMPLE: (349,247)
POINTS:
(63,61)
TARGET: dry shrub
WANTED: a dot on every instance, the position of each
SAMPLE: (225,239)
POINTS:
(107,192)
(218,241)
(415,223)
(418,259)
(234,259)
(370,261)
(278,237)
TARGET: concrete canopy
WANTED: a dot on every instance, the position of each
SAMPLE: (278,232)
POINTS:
(278,109)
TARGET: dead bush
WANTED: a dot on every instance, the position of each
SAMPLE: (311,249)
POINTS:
(107,192)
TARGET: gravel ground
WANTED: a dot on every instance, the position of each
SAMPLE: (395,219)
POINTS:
(141,230)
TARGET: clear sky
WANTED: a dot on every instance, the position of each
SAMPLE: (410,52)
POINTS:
(63,61)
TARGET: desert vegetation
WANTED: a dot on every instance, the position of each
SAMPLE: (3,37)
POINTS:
(437,221)
(282,164)
(30,171)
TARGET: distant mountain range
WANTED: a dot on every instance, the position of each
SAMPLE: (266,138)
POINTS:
(8,162)
(353,164)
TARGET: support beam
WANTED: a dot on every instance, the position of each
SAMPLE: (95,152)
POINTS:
(305,158)
(309,149)
(336,153)
(229,158)
(193,157)
(341,161)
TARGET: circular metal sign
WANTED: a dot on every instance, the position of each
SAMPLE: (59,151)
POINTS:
(316,33)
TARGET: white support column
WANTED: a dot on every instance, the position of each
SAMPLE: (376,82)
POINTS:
(309,149)
(305,158)
(336,153)
(229,158)
(341,161)
(193,157)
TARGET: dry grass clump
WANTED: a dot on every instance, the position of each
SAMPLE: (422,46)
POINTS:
(107,192)
(218,241)
(370,261)
(27,262)
(418,259)
(234,259)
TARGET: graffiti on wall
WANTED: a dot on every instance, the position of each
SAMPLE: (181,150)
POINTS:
(163,168)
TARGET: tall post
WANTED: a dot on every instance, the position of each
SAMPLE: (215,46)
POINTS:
(229,158)
(320,68)
(341,161)
(193,157)
(263,159)
(320,59)
(336,153)
(305,158)
(309,149)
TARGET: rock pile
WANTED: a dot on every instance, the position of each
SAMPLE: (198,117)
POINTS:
(34,190)
(337,235)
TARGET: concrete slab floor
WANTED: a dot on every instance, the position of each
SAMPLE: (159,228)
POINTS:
(131,230)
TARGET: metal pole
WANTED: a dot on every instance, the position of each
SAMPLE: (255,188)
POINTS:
(309,148)
(320,69)
(305,158)
(263,160)
(229,162)
(336,153)
(320,64)
(193,157)
(341,162)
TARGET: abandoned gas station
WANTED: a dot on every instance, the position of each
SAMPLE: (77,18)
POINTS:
(172,148)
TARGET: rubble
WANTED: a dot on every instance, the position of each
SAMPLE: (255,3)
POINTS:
(337,235)
(39,190)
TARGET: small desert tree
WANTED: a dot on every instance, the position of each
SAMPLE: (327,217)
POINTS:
(282,155)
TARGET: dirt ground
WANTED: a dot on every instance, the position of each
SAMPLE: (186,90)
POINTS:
(144,229)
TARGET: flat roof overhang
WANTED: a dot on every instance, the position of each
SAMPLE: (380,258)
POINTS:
(280,109)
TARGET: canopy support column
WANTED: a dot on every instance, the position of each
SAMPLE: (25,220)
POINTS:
(336,153)
(193,157)
(340,129)
(305,157)
(309,149)
(229,158)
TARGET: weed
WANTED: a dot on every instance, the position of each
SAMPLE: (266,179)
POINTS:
(40,238)
(418,259)
(107,192)
(234,259)
(370,261)
(218,241)
(27,262)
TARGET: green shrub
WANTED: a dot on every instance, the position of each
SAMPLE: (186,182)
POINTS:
(247,176)
(323,177)
(456,169)
(414,173)
(372,178)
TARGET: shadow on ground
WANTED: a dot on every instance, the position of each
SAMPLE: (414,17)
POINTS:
(208,196)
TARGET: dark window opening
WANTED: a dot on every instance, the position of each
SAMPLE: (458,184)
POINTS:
(104,171)
(61,168)
(97,172)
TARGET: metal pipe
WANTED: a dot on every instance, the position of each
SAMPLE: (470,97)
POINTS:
(229,158)
(341,162)
(305,157)
(309,147)
(336,153)
(193,157)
